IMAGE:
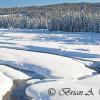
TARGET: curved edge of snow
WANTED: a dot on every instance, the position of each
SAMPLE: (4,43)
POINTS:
(40,90)
(12,73)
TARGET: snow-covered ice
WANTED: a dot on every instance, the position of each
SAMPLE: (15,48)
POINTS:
(66,60)
(51,66)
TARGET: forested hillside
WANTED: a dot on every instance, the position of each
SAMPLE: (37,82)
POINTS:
(73,17)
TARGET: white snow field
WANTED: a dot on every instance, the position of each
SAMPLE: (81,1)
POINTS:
(64,59)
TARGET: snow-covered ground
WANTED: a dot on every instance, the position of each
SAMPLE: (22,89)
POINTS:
(66,60)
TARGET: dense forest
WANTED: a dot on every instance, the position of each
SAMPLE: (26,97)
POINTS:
(71,17)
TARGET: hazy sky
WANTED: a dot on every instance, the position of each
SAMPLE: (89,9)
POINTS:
(16,3)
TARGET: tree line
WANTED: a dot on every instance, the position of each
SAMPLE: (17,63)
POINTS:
(70,17)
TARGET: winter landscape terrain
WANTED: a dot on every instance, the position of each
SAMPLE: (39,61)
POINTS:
(34,60)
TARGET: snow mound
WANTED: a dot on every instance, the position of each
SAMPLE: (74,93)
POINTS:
(5,84)
(40,91)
